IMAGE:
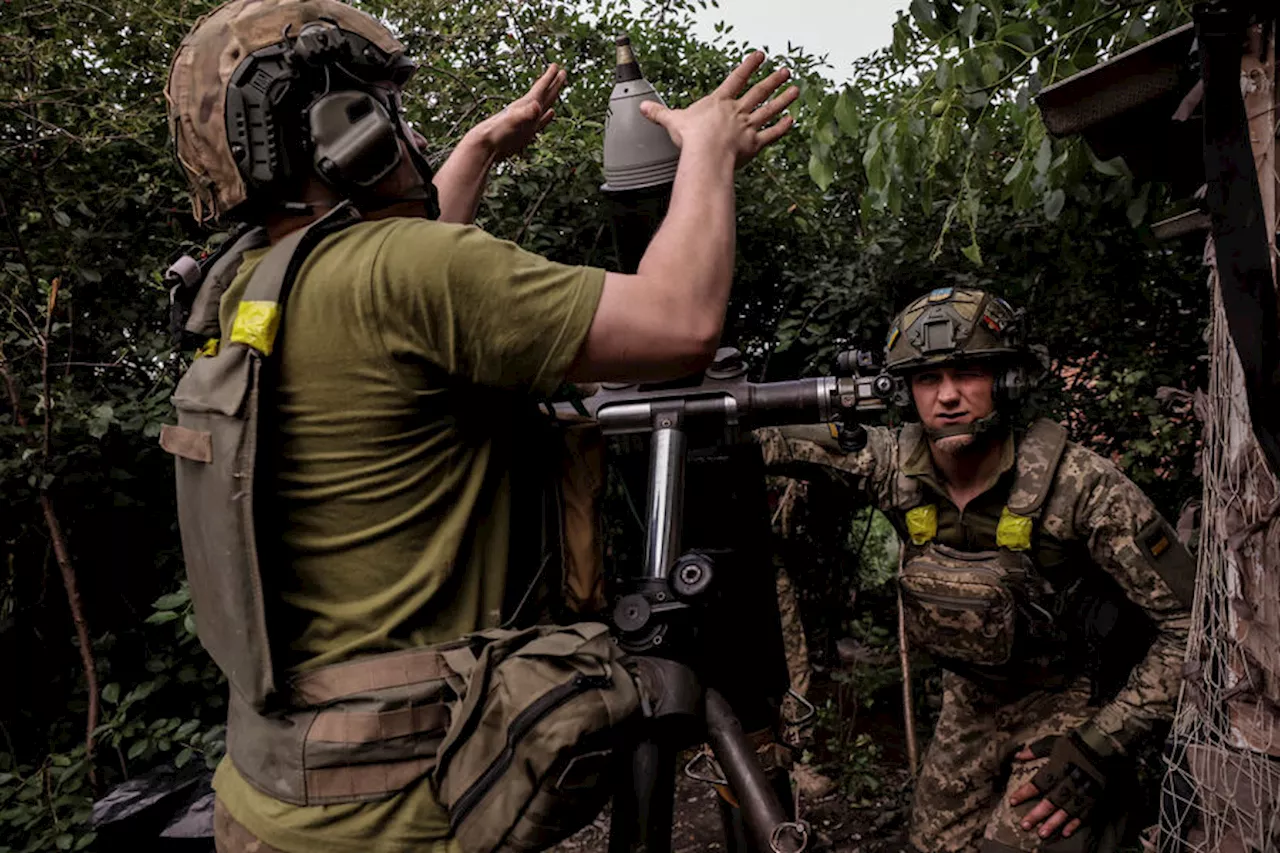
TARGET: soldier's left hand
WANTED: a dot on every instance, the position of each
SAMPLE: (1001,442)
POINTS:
(509,132)
(1044,811)
(1071,782)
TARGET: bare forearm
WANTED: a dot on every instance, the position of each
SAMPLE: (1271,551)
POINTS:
(689,264)
(461,180)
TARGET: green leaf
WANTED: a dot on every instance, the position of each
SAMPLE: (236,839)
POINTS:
(137,748)
(111,693)
(821,171)
(990,74)
(162,616)
(1112,168)
(85,840)
(1137,209)
(1015,172)
(172,601)
(1053,204)
(181,759)
(848,116)
(64,841)
(925,17)
(973,253)
(944,78)
(900,39)
(969,20)
(1044,157)
(100,419)
(62,218)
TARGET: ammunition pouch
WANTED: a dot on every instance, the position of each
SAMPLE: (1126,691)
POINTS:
(963,606)
(514,730)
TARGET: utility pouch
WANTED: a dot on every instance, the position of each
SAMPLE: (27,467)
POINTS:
(963,606)
(524,763)
(215,447)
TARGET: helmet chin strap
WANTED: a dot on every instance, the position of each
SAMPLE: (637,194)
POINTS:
(991,425)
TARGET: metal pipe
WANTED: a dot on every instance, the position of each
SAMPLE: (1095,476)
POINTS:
(763,814)
(644,798)
(666,496)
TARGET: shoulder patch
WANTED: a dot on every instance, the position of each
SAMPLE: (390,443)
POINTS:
(1169,558)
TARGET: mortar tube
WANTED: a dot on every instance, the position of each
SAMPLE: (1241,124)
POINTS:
(763,814)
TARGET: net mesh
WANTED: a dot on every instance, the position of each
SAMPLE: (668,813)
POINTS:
(1222,791)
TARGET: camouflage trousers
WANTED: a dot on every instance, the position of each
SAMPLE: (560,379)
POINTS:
(962,794)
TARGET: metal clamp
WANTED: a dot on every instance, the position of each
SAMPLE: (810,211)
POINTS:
(810,710)
(713,767)
(790,837)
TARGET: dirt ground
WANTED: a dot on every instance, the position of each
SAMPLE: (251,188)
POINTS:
(838,826)
(848,819)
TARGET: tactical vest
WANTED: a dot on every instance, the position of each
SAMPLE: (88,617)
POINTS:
(996,616)
(511,726)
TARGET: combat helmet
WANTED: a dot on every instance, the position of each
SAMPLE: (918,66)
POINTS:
(954,325)
(262,94)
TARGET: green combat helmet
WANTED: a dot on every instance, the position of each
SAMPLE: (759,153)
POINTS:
(951,325)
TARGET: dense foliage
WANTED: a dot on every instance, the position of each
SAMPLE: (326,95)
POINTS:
(842,222)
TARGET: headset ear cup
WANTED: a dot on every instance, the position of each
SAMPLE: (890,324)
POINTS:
(1011,385)
(353,139)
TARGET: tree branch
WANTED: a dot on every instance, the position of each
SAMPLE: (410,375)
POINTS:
(63,556)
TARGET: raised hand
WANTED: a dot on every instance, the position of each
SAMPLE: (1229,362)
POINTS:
(737,124)
(509,132)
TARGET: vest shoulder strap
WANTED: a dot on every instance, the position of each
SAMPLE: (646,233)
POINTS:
(1037,461)
(203,319)
(907,493)
(261,308)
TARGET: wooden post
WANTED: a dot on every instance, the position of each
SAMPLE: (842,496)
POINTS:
(908,701)
(1253,567)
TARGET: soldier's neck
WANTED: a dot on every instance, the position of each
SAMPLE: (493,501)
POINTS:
(969,471)
(321,200)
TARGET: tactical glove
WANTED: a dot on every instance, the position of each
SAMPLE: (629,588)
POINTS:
(1080,764)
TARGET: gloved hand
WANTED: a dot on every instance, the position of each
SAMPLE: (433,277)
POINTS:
(1075,776)
(1081,763)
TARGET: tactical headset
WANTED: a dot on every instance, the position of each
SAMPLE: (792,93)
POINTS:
(319,103)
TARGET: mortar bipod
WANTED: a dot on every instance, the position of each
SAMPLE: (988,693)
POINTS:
(644,617)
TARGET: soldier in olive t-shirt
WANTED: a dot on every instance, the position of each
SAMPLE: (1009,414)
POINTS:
(408,343)
(401,343)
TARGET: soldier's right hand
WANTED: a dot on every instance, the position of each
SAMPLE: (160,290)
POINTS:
(726,123)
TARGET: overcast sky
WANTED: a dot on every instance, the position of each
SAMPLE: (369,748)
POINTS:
(844,29)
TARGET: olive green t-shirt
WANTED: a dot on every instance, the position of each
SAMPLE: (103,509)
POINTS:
(406,348)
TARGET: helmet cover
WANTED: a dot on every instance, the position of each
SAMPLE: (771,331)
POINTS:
(202,69)
(950,325)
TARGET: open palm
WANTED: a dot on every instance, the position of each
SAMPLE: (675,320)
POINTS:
(510,131)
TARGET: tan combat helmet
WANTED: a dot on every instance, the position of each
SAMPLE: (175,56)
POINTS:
(202,71)
(953,324)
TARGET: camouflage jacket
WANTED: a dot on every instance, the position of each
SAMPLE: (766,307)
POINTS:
(1091,518)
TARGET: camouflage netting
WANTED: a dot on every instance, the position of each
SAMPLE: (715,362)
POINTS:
(1222,792)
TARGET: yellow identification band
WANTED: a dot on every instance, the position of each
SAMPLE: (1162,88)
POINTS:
(922,524)
(210,348)
(1014,531)
(256,325)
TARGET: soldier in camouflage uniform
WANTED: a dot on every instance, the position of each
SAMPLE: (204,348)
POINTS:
(1043,581)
